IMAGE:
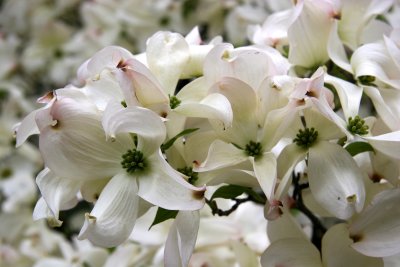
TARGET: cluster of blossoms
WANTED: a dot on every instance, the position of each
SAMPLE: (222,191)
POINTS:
(43,42)
(303,125)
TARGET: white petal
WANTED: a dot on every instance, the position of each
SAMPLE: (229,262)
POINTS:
(141,88)
(375,231)
(337,242)
(388,144)
(354,17)
(287,161)
(56,191)
(244,126)
(390,118)
(374,60)
(107,58)
(167,51)
(220,155)
(293,252)
(328,127)
(114,214)
(181,239)
(162,186)
(335,179)
(75,147)
(285,226)
(349,95)
(26,128)
(91,190)
(336,49)
(265,172)
(276,125)
(214,106)
(117,119)
(248,64)
(42,211)
(308,34)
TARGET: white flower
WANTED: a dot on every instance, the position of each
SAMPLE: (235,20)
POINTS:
(80,154)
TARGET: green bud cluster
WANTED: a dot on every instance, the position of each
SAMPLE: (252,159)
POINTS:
(188,171)
(133,161)
(174,102)
(366,79)
(357,126)
(253,149)
(306,138)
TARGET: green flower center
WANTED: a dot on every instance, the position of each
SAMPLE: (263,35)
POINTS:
(188,171)
(5,173)
(174,102)
(357,126)
(133,161)
(306,138)
(253,149)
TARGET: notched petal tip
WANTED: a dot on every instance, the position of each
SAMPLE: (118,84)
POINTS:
(199,195)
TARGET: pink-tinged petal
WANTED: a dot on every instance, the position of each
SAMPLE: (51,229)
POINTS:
(145,123)
(265,172)
(114,214)
(221,155)
(388,144)
(139,85)
(274,29)
(337,242)
(293,252)
(181,239)
(349,95)
(384,111)
(72,142)
(56,191)
(107,58)
(287,161)
(335,179)
(375,231)
(163,186)
(193,37)
(214,106)
(336,49)
(167,51)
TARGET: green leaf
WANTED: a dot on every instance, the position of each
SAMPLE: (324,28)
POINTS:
(170,142)
(163,215)
(233,191)
(358,147)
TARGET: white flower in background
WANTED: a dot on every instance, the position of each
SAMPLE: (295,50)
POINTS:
(358,21)
(77,254)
